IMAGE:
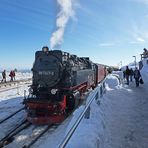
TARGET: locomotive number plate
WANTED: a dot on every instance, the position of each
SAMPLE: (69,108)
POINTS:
(51,73)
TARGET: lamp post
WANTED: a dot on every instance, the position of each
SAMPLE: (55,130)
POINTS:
(121,63)
(135,60)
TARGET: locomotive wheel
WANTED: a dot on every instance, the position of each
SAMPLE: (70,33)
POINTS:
(70,103)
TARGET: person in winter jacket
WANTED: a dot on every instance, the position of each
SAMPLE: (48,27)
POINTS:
(4,76)
(137,76)
(11,75)
(127,73)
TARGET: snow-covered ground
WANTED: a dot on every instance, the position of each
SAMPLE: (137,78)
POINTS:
(120,120)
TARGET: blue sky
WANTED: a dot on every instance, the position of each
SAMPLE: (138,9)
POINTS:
(108,31)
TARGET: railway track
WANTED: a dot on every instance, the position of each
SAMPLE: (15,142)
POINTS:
(8,138)
(10,88)
(11,115)
(14,84)
(38,136)
(23,128)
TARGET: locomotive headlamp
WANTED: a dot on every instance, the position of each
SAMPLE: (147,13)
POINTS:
(53,91)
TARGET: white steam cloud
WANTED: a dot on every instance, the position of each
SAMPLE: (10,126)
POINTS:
(66,12)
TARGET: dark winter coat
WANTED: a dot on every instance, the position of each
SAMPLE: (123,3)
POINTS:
(4,74)
(11,74)
(137,74)
(127,72)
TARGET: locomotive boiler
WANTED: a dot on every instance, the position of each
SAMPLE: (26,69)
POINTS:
(59,80)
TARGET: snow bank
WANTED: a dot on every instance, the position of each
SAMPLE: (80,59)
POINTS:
(112,81)
(118,73)
(144,70)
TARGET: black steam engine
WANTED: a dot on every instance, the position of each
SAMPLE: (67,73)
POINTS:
(59,80)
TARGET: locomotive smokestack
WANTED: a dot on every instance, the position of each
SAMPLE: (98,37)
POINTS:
(66,11)
(45,49)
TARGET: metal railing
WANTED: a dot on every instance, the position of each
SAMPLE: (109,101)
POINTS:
(95,94)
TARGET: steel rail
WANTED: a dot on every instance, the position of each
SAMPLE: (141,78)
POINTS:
(5,140)
(38,136)
(3,84)
(8,117)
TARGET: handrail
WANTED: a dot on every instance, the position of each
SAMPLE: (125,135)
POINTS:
(92,96)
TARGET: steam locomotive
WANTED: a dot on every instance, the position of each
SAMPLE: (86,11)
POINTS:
(59,81)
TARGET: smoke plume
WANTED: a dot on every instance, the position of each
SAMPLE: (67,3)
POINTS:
(66,12)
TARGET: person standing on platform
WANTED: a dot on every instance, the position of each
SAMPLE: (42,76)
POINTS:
(127,73)
(137,76)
